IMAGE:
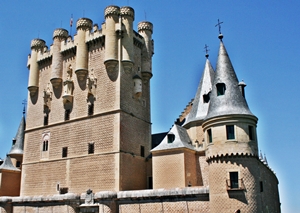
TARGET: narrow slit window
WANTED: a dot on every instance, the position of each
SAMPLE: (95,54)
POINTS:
(46,119)
(220,89)
(261,186)
(67,114)
(91,148)
(90,109)
(142,151)
(251,132)
(45,145)
(209,135)
(65,152)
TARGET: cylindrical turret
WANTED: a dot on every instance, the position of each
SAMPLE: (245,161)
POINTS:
(59,35)
(127,14)
(83,25)
(145,28)
(111,40)
(33,83)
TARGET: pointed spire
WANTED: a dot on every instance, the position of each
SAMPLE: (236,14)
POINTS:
(18,140)
(8,165)
(226,97)
(202,97)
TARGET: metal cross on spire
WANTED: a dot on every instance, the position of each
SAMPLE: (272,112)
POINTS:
(24,105)
(206,50)
(219,25)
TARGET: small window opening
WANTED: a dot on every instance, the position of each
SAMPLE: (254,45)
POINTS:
(18,164)
(64,152)
(209,135)
(234,180)
(150,183)
(57,187)
(142,151)
(261,186)
(14,141)
(230,132)
(63,190)
(206,98)
(67,114)
(171,138)
(45,145)
(251,136)
(46,119)
(220,89)
(90,109)
(91,148)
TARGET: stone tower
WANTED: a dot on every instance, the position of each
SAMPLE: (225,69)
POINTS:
(88,114)
(238,180)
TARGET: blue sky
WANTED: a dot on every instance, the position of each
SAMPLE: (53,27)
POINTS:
(261,37)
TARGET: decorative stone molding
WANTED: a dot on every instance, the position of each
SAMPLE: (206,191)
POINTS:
(111,10)
(47,96)
(60,33)
(127,11)
(37,44)
(91,83)
(84,24)
(145,25)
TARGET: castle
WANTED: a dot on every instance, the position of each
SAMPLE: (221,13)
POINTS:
(86,145)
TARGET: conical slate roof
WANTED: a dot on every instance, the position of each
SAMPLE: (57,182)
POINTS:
(181,140)
(8,165)
(17,148)
(232,101)
(200,103)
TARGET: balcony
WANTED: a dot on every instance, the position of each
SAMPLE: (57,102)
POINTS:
(235,185)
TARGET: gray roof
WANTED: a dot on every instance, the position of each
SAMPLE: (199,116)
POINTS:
(232,102)
(7,165)
(199,108)
(19,145)
(182,140)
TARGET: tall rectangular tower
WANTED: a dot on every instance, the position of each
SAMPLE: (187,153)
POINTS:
(88,115)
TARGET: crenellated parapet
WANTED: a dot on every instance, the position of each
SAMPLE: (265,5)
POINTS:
(111,10)
(37,44)
(127,12)
(60,33)
(84,24)
(145,26)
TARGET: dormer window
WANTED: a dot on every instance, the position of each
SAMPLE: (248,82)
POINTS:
(171,138)
(220,89)
(206,98)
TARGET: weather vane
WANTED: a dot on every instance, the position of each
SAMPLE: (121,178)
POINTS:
(24,104)
(219,25)
(206,50)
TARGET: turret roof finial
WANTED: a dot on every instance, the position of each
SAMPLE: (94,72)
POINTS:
(219,25)
(24,105)
(206,51)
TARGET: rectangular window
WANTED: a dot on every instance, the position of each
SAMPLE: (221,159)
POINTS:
(234,180)
(251,136)
(91,148)
(261,186)
(142,151)
(220,89)
(18,164)
(46,119)
(209,135)
(171,138)
(90,109)
(230,132)
(64,152)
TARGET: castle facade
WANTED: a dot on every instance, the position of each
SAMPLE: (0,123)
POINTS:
(86,145)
